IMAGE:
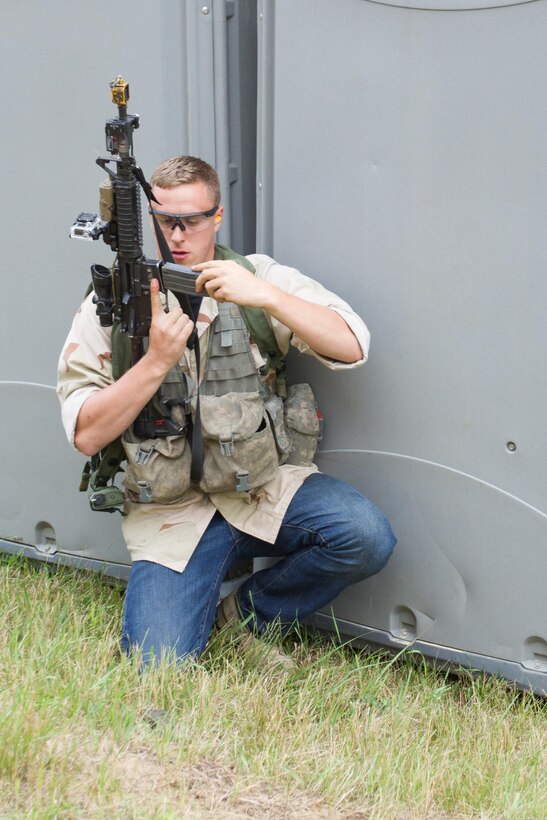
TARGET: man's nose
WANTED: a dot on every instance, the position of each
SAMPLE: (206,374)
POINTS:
(177,234)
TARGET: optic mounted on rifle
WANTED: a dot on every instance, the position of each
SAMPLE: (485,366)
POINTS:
(119,143)
(119,131)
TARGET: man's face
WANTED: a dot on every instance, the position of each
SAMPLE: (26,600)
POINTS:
(193,197)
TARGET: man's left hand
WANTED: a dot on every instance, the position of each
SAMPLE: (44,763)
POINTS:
(320,327)
(226,281)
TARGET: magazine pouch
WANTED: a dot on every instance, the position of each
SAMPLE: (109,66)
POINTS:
(276,412)
(158,469)
(302,423)
(239,446)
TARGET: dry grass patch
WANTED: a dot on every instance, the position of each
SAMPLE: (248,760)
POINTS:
(81,777)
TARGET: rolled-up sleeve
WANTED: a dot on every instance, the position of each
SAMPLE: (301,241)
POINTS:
(85,364)
(296,283)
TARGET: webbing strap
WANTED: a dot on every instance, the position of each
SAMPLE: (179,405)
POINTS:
(236,347)
(225,373)
(257,323)
(230,323)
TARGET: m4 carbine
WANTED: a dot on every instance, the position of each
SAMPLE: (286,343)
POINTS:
(122,293)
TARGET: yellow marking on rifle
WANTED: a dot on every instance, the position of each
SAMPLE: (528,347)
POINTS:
(120,91)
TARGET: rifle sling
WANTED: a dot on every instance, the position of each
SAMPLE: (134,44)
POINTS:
(190,305)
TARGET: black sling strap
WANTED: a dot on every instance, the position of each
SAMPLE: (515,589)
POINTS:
(190,305)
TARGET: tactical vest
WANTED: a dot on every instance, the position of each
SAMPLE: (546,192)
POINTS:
(250,421)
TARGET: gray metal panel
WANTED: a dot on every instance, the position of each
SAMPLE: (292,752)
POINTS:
(40,503)
(406,169)
(57,61)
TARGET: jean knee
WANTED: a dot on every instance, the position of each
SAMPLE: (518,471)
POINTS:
(162,615)
(385,541)
(373,543)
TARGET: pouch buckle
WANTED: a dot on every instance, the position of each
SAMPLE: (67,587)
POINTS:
(142,456)
(145,492)
(242,485)
(227,445)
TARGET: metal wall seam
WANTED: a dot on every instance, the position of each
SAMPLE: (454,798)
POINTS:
(206,90)
(199,61)
(220,96)
(265,127)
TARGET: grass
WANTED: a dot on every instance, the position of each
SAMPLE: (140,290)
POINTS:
(349,734)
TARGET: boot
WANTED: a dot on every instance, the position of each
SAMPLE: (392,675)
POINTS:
(229,617)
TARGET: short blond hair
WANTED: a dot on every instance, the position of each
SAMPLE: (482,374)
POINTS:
(184,169)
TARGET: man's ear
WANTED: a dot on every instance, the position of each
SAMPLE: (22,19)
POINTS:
(218,218)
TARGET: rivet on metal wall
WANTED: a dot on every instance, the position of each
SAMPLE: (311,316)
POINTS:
(205,9)
(511,446)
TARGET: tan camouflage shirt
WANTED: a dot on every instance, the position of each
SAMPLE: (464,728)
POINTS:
(168,534)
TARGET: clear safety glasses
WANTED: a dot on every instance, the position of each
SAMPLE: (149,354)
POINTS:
(190,223)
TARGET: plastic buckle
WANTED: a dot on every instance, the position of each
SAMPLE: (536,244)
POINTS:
(142,456)
(242,485)
(227,446)
(145,493)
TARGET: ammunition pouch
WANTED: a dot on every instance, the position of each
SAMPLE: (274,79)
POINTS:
(302,422)
(244,440)
(239,446)
(158,469)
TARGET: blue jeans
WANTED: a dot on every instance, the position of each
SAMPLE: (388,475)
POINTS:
(331,536)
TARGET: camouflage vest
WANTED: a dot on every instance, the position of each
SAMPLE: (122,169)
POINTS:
(250,422)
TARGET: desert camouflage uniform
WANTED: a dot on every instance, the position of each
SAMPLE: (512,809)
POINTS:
(168,534)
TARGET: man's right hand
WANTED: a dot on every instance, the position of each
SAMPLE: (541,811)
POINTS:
(111,410)
(169,333)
